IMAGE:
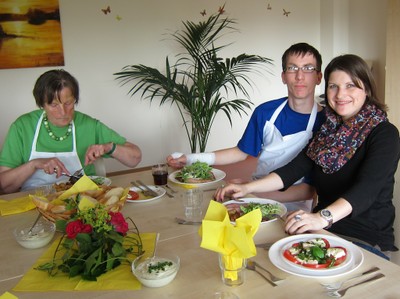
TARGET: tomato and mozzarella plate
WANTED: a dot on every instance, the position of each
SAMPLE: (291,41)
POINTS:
(315,253)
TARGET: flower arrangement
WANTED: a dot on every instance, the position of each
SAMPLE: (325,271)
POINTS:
(95,241)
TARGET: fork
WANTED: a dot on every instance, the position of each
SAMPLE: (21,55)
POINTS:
(337,285)
(144,191)
(273,277)
(68,175)
(251,266)
(172,190)
(78,172)
(342,292)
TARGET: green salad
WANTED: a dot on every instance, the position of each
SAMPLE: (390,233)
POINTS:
(268,211)
(98,181)
(196,171)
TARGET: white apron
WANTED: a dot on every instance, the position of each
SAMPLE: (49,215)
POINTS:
(70,160)
(279,150)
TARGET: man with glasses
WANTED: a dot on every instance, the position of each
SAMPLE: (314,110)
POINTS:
(278,129)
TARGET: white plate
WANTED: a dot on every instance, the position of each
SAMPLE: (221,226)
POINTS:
(159,190)
(354,259)
(283,209)
(219,175)
(104,180)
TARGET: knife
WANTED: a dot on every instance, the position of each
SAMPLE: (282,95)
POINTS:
(147,188)
(182,221)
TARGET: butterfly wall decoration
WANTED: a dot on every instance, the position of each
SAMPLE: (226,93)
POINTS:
(203,13)
(286,13)
(106,10)
(221,9)
(269,7)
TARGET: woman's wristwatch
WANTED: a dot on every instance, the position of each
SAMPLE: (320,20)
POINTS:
(327,215)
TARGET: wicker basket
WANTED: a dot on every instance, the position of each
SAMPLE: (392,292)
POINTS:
(53,217)
(59,212)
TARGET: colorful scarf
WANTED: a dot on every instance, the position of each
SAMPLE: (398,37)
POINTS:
(337,141)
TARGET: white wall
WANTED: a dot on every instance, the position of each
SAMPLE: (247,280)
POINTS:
(98,45)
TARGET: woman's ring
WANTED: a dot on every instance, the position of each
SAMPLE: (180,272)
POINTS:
(222,186)
(297,217)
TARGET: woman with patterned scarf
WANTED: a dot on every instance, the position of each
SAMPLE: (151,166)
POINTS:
(352,161)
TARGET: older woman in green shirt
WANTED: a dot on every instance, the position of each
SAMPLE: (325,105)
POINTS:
(44,143)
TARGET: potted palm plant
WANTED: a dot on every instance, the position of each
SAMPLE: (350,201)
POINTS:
(200,81)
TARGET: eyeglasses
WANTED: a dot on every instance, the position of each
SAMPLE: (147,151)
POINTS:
(304,69)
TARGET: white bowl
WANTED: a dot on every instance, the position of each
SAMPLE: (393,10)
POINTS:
(282,208)
(145,271)
(40,236)
(269,230)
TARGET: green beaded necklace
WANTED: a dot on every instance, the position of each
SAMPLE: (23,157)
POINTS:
(50,132)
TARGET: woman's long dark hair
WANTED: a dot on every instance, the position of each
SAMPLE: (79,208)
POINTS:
(360,74)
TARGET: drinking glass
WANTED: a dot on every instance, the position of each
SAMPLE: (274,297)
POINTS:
(192,200)
(160,174)
(232,274)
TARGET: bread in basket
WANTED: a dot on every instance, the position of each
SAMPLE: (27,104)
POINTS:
(57,207)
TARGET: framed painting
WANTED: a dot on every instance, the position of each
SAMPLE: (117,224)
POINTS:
(30,34)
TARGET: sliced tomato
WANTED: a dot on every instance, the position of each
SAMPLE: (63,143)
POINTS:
(341,259)
(327,244)
(317,266)
(134,195)
(327,264)
(290,256)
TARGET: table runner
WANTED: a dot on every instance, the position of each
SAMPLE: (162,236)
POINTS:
(120,278)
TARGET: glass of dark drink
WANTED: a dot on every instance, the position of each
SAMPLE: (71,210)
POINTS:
(160,174)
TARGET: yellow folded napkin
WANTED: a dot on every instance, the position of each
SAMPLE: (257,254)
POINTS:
(120,278)
(234,242)
(8,295)
(83,184)
(15,206)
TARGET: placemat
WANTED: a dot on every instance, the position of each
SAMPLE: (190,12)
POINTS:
(120,278)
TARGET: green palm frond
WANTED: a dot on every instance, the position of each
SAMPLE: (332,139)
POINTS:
(200,81)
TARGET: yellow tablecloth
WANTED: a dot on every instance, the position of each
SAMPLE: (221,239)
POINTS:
(120,278)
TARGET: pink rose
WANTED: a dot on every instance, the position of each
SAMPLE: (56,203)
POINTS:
(119,223)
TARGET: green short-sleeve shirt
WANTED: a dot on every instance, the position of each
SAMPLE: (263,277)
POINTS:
(18,143)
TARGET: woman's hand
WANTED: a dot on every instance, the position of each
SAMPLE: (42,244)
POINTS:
(96,151)
(299,222)
(50,166)
(128,153)
(231,191)
(177,162)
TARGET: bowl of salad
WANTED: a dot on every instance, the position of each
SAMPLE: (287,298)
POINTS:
(271,210)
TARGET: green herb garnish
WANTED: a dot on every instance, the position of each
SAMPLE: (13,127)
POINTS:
(160,266)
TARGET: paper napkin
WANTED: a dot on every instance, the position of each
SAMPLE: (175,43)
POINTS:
(83,184)
(15,206)
(233,241)
(8,295)
(120,278)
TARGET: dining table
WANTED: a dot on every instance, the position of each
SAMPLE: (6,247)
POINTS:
(199,275)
